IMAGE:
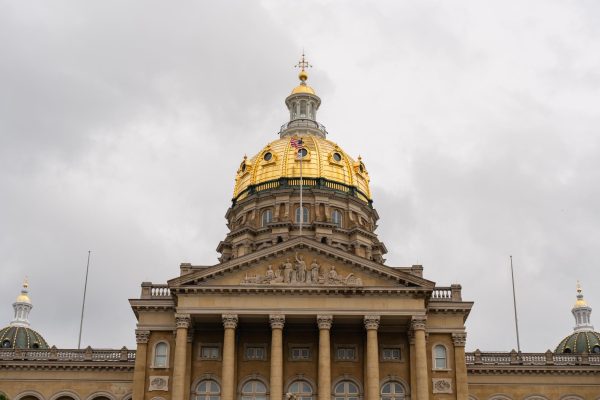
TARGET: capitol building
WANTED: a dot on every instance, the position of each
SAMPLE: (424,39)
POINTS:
(300,306)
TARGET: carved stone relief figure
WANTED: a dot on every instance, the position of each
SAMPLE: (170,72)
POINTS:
(299,274)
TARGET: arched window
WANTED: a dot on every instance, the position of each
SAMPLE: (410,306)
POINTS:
(440,357)
(303,109)
(305,214)
(302,389)
(392,391)
(161,355)
(336,217)
(6,344)
(346,390)
(267,217)
(207,389)
(254,390)
(596,349)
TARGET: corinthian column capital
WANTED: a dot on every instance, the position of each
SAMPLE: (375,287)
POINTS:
(418,322)
(277,321)
(182,320)
(371,322)
(230,321)
(459,339)
(324,321)
(142,336)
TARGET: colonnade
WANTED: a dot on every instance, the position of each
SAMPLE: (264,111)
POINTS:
(420,390)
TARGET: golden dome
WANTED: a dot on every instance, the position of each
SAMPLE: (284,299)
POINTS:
(24,297)
(325,159)
(303,88)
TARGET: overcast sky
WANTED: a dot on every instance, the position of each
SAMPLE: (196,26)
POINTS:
(122,124)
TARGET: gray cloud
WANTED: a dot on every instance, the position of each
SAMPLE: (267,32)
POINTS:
(122,124)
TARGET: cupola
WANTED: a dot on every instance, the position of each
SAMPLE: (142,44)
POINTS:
(584,339)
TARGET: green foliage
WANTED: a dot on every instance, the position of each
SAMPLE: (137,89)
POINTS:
(3,397)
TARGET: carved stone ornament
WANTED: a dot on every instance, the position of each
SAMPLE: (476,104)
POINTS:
(159,383)
(372,322)
(142,336)
(418,323)
(277,321)
(459,339)
(324,321)
(230,321)
(182,320)
(442,385)
(301,274)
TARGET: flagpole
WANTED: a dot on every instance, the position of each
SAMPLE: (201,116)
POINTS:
(301,185)
(512,274)
(87,269)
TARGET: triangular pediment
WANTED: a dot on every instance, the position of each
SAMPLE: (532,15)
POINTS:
(301,263)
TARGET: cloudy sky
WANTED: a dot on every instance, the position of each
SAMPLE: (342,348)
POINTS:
(122,124)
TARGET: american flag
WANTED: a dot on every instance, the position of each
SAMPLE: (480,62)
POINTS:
(296,143)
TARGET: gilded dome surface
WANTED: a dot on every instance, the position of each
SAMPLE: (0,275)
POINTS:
(19,337)
(580,342)
(324,159)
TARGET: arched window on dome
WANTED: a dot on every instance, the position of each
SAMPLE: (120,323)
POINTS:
(440,357)
(302,389)
(267,217)
(393,391)
(161,355)
(346,390)
(207,389)
(6,344)
(336,217)
(596,349)
(304,214)
(254,390)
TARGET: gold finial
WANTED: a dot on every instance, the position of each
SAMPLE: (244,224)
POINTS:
(303,64)
(580,300)
(26,283)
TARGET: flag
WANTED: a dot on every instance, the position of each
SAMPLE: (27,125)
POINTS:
(296,143)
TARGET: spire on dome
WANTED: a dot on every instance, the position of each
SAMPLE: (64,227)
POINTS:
(22,307)
(582,312)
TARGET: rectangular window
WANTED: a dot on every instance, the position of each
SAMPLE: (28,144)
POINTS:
(209,352)
(255,353)
(390,354)
(346,353)
(300,353)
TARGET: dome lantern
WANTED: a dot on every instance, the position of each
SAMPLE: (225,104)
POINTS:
(582,312)
(22,307)
(303,104)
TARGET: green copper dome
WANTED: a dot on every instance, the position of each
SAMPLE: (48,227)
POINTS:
(580,342)
(19,337)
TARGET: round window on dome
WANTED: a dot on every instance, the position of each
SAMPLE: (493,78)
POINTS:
(268,156)
(337,157)
(302,153)
(6,344)
(596,349)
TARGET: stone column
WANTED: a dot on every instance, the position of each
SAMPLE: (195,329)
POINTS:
(277,321)
(188,363)
(324,322)
(371,325)
(413,365)
(418,326)
(139,372)
(182,321)
(460,365)
(230,322)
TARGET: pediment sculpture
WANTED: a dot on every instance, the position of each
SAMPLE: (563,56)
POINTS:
(298,273)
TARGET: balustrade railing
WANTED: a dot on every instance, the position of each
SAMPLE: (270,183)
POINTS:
(155,290)
(68,355)
(308,183)
(478,358)
(303,123)
(449,293)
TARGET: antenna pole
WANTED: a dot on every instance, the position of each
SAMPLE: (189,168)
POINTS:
(87,270)
(512,274)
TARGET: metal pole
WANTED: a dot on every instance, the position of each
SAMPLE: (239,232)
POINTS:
(301,185)
(512,274)
(87,269)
